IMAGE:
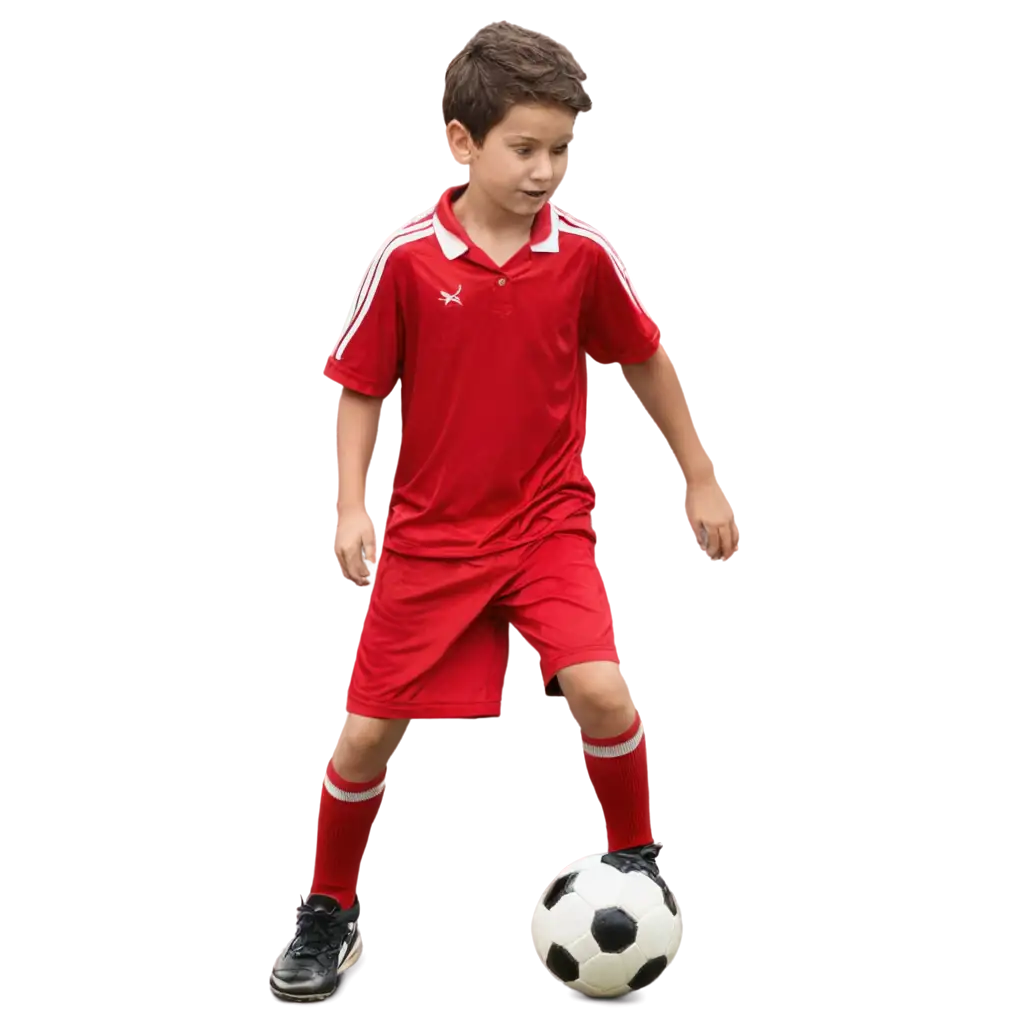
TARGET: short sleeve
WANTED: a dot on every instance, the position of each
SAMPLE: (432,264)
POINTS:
(614,327)
(368,355)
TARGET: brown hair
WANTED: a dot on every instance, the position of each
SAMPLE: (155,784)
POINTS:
(502,65)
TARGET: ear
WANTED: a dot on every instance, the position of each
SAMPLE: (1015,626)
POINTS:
(460,142)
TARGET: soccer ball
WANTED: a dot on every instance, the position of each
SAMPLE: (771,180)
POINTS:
(605,926)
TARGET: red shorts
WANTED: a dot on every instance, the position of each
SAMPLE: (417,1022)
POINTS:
(435,640)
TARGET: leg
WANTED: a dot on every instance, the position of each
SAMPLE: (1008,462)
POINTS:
(366,747)
(351,795)
(427,651)
(557,600)
(615,749)
(327,940)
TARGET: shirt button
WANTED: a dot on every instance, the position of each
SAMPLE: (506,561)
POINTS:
(501,280)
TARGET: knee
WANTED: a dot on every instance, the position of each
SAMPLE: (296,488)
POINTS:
(598,698)
(366,746)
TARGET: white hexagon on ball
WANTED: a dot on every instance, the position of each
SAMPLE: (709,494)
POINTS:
(600,886)
(640,893)
(569,919)
(656,933)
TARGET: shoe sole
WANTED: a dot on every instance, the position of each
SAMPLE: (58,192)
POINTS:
(350,958)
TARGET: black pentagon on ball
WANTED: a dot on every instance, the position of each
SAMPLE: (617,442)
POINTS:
(650,971)
(613,929)
(559,888)
(562,964)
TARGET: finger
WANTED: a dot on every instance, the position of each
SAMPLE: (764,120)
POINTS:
(341,557)
(738,534)
(337,559)
(355,562)
(370,546)
(714,543)
(368,562)
(735,535)
(342,568)
(725,544)
(698,537)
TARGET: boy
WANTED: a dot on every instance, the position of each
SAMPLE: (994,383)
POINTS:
(486,307)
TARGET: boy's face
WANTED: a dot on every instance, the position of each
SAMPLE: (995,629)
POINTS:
(526,152)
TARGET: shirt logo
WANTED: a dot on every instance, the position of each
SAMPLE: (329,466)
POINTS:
(447,299)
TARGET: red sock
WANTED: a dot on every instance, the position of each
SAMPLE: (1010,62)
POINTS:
(618,770)
(347,810)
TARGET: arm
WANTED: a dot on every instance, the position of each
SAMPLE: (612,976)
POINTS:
(619,329)
(356,422)
(360,366)
(658,388)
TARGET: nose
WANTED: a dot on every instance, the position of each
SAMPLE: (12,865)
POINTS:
(542,172)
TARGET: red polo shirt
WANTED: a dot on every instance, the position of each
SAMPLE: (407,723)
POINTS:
(494,376)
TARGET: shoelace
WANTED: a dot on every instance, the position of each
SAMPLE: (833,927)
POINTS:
(316,931)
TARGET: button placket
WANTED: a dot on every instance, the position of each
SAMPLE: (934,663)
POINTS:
(502,302)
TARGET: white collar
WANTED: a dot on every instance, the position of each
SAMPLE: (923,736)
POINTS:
(453,246)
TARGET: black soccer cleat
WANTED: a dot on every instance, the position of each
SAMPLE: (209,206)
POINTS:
(636,858)
(327,942)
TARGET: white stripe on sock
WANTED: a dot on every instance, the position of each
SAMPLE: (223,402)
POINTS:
(618,751)
(352,798)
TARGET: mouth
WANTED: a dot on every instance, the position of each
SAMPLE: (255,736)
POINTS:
(535,195)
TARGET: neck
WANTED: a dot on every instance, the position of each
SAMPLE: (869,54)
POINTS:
(474,210)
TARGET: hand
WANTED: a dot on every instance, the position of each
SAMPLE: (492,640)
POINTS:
(354,539)
(711,520)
